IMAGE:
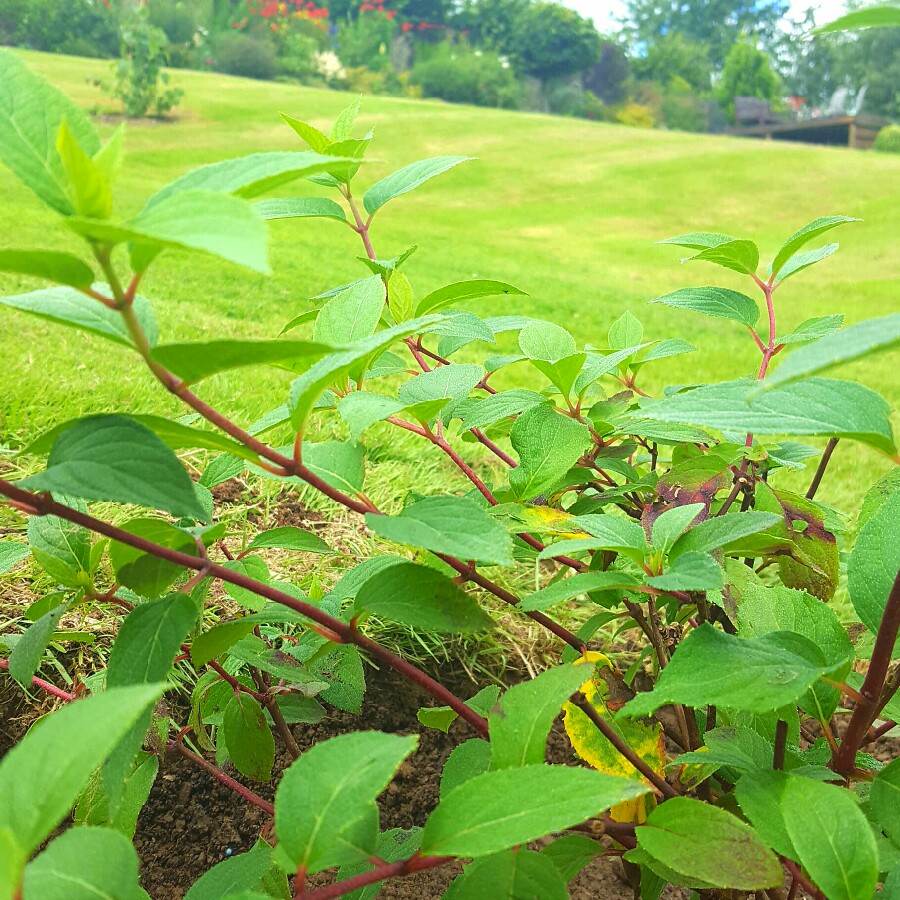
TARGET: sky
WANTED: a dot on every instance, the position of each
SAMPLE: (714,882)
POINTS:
(606,12)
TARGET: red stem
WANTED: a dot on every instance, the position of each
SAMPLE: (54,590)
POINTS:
(44,685)
(347,633)
(844,760)
(227,780)
(379,873)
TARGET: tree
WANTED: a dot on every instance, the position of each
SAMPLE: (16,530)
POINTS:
(747,73)
(491,23)
(717,24)
(674,56)
(551,41)
(609,75)
(810,68)
(872,58)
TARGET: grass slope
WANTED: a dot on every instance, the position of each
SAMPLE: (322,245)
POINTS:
(568,210)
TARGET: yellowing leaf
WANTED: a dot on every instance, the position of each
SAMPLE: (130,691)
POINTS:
(645,737)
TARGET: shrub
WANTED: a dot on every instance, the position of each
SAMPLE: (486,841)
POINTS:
(635,115)
(65,26)
(246,55)
(701,764)
(298,56)
(682,109)
(888,139)
(140,83)
(366,41)
(461,75)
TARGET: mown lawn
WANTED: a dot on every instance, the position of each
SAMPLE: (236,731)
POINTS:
(567,210)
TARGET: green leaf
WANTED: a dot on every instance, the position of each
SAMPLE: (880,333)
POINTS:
(31,111)
(862,339)
(465,761)
(62,548)
(766,609)
(253,567)
(329,790)
(309,134)
(338,463)
(614,533)
(760,796)
(299,207)
(511,875)
(407,179)
(690,572)
(812,329)
(248,738)
(84,864)
(548,444)
(149,639)
(386,267)
(886,16)
(232,874)
(361,409)
(575,586)
(147,642)
(671,524)
(142,572)
(664,350)
(733,746)
(498,810)
(453,382)
(721,531)
(754,675)
(25,658)
(625,332)
(247,176)
(464,292)
(172,433)
(805,235)
(874,562)
(708,844)
(422,598)
(501,405)
(110,457)
(38,784)
(698,240)
(353,314)
(721,303)
(346,118)
(833,841)
(804,260)
(442,717)
(66,306)
(93,804)
(739,256)
(546,341)
(196,361)
(307,389)
(884,800)
(521,721)
(816,406)
(63,268)
(87,186)
(11,554)
(456,526)
(209,222)
(571,853)
(400,297)
(108,158)
(288,537)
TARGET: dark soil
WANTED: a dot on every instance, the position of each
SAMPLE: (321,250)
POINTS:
(191,821)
